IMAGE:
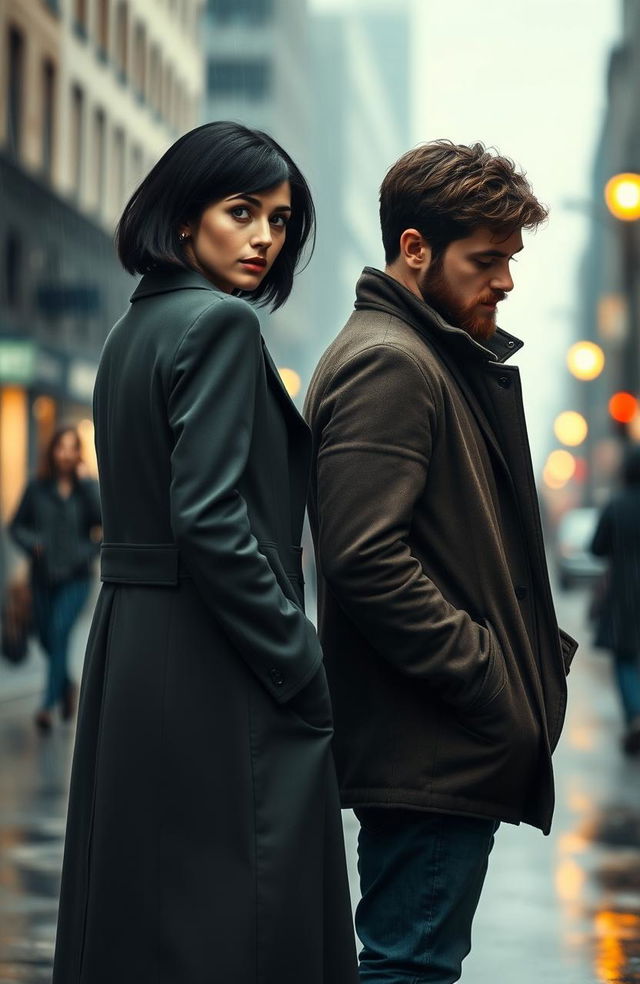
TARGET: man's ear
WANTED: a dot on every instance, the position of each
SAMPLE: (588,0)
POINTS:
(415,250)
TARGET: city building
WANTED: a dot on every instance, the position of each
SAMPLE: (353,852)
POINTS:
(361,114)
(609,281)
(94,91)
(257,73)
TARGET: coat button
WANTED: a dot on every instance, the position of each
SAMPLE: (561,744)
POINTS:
(276,676)
(521,592)
(504,381)
(510,343)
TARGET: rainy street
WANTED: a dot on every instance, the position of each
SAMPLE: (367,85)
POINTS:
(565,910)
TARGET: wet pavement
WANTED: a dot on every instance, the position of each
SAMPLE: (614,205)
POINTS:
(563,909)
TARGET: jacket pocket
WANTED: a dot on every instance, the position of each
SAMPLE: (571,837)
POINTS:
(495,677)
(568,645)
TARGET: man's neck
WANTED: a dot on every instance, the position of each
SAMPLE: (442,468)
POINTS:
(403,276)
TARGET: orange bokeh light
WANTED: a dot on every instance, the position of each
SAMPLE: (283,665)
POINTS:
(623,407)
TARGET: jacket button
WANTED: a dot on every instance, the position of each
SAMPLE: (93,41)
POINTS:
(521,592)
(276,676)
(504,381)
(510,344)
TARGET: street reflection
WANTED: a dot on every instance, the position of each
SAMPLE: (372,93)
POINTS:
(618,947)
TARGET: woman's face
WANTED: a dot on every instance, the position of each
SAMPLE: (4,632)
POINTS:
(66,455)
(236,240)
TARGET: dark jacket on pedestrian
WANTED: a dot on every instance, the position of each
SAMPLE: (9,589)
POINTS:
(60,526)
(617,537)
(446,665)
(204,840)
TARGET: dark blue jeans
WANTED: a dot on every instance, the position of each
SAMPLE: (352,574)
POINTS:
(627,671)
(421,875)
(55,609)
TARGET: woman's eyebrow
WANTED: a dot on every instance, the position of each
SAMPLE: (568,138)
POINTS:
(257,202)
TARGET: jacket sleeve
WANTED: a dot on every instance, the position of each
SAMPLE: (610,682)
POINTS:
(373,465)
(601,543)
(211,409)
(22,527)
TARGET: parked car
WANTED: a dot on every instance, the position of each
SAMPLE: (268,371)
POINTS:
(573,560)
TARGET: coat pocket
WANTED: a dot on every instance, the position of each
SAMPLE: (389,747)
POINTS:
(495,677)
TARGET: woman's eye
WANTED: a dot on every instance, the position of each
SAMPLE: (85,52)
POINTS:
(280,221)
(240,212)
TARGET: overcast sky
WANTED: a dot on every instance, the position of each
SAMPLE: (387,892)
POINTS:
(529,78)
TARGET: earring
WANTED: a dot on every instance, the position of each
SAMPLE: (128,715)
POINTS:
(183,236)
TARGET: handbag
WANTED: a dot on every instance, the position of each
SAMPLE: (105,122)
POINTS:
(16,619)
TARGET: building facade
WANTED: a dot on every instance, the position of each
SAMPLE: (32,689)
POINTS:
(94,91)
(362,123)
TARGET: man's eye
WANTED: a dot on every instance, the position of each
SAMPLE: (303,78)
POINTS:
(484,264)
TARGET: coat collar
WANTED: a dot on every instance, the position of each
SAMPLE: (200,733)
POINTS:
(378,291)
(168,279)
(165,280)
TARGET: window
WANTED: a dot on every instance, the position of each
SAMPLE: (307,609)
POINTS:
(103,28)
(140,60)
(118,168)
(80,17)
(154,78)
(13,270)
(15,90)
(245,79)
(122,38)
(99,132)
(240,11)
(48,97)
(77,142)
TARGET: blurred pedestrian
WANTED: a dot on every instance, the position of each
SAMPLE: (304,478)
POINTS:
(445,661)
(204,840)
(57,525)
(617,537)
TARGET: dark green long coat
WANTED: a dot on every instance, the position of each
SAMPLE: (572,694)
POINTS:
(204,842)
(446,664)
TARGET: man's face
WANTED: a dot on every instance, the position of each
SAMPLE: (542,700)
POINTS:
(472,276)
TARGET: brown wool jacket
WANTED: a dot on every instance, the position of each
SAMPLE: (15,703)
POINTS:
(445,661)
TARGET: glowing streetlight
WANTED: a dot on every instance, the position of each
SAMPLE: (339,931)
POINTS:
(570,428)
(559,469)
(623,407)
(622,195)
(585,360)
(291,380)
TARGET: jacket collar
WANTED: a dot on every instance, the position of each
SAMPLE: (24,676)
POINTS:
(167,279)
(377,291)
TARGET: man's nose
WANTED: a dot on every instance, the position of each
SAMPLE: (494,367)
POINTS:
(502,281)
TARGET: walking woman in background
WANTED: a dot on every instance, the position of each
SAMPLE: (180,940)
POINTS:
(57,525)
(204,840)
(617,538)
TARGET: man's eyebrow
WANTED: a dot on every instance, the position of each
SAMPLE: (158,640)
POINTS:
(496,252)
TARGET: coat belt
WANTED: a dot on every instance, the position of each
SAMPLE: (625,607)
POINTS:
(141,563)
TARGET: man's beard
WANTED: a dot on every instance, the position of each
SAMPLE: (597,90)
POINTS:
(438,293)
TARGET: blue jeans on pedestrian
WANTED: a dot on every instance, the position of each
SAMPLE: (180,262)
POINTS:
(627,670)
(56,609)
(421,875)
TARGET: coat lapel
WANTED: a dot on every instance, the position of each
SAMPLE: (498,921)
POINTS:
(292,413)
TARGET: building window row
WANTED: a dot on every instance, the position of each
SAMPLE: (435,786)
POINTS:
(242,78)
(16,101)
(92,19)
(242,12)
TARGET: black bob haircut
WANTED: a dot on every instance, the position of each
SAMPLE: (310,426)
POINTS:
(214,161)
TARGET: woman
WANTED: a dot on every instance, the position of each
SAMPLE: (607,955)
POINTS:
(204,840)
(617,537)
(57,525)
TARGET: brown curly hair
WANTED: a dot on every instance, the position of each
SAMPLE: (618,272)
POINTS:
(447,190)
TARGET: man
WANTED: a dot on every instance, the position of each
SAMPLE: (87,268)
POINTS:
(445,661)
